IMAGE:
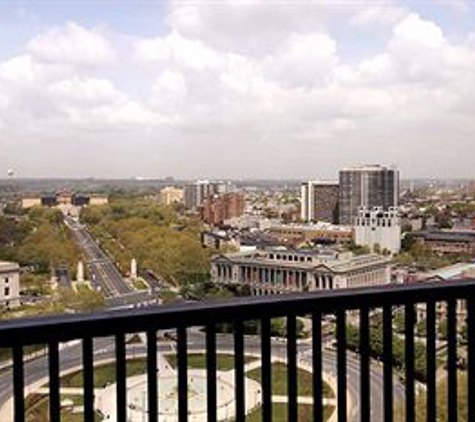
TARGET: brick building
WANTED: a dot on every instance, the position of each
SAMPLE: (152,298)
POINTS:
(218,208)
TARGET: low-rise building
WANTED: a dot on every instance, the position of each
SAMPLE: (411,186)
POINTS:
(171,195)
(322,233)
(31,202)
(447,241)
(376,228)
(98,200)
(64,199)
(456,273)
(281,270)
(9,284)
(219,240)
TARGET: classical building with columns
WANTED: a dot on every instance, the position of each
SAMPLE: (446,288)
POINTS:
(9,284)
(280,270)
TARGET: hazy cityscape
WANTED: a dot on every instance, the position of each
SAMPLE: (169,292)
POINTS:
(237,211)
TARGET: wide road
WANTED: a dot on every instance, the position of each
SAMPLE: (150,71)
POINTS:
(103,271)
(70,357)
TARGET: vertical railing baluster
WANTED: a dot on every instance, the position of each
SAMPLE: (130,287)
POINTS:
(121,378)
(152,382)
(388,362)
(292,383)
(452,360)
(317,367)
(18,384)
(471,356)
(341,364)
(409,361)
(53,367)
(182,350)
(211,372)
(239,371)
(431,368)
(88,378)
(266,371)
(365,375)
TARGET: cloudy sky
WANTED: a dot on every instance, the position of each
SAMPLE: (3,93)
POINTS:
(236,88)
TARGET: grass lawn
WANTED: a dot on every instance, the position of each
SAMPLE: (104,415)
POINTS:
(82,287)
(279,381)
(198,361)
(279,413)
(6,354)
(105,374)
(37,409)
(140,284)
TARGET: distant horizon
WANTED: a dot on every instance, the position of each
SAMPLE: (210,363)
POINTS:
(216,179)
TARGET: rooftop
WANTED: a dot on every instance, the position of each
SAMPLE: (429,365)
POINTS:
(321,225)
(8,266)
(452,271)
(368,167)
(449,235)
(323,182)
(337,262)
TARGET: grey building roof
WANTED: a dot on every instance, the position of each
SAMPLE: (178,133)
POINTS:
(447,236)
(334,264)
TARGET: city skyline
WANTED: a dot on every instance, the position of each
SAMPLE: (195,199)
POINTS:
(286,90)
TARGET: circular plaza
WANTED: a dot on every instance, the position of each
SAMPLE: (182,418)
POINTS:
(137,400)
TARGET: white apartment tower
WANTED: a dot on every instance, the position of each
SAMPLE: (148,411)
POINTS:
(378,228)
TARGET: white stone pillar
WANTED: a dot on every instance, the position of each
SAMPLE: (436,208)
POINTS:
(80,272)
(133,268)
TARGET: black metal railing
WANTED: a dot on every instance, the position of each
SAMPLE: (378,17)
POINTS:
(343,304)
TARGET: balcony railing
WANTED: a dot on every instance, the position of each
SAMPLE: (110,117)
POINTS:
(360,305)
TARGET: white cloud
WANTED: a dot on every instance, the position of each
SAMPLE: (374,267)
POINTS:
(18,70)
(461,6)
(303,60)
(378,14)
(174,47)
(85,91)
(253,77)
(415,30)
(71,44)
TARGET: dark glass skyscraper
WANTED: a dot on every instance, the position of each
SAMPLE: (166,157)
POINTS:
(369,186)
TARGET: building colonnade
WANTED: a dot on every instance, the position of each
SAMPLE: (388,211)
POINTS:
(292,279)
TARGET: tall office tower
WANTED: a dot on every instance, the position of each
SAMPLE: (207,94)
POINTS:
(198,192)
(319,201)
(367,186)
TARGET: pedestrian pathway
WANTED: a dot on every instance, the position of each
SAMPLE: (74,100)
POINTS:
(303,400)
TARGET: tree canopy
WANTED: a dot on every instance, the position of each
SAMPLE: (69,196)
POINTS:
(157,236)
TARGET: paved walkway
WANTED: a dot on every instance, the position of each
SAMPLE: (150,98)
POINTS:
(303,400)
(106,397)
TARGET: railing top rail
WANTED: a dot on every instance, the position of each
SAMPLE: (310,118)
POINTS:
(67,327)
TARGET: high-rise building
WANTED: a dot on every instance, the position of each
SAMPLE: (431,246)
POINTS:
(367,186)
(196,193)
(378,229)
(319,201)
(218,208)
